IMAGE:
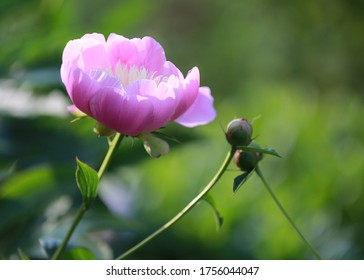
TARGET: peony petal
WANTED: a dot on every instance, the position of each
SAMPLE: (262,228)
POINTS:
(187,91)
(96,36)
(161,97)
(84,87)
(86,53)
(126,114)
(145,52)
(150,54)
(93,57)
(170,69)
(121,50)
(201,112)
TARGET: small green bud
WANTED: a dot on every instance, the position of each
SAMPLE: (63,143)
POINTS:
(239,132)
(247,161)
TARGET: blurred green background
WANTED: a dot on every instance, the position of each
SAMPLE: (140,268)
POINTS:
(298,64)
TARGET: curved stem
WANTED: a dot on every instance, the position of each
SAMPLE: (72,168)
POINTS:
(309,246)
(82,210)
(185,210)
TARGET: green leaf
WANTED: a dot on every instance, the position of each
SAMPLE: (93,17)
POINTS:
(240,180)
(269,151)
(219,219)
(22,255)
(78,253)
(24,194)
(87,181)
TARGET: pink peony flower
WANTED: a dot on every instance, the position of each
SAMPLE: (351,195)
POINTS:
(130,87)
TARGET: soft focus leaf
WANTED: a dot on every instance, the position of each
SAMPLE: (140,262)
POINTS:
(87,181)
(50,245)
(269,151)
(240,180)
(219,219)
(78,253)
(22,255)
(6,173)
(24,194)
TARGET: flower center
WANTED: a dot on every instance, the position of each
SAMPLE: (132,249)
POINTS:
(127,74)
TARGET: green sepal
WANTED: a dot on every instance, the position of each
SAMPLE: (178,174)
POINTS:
(87,182)
(102,130)
(240,180)
(155,146)
(78,253)
(219,219)
(78,119)
(22,255)
(269,151)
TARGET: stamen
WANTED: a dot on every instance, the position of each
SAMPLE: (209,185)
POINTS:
(127,75)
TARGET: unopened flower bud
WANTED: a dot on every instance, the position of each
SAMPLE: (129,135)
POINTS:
(245,160)
(239,132)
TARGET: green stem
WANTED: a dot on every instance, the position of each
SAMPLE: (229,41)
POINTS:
(185,210)
(309,246)
(82,210)
(112,148)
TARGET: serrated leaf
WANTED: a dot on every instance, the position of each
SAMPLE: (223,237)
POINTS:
(78,253)
(240,180)
(219,219)
(87,182)
(269,151)
(22,255)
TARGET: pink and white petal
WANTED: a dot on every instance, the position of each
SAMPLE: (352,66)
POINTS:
(170,69)
(93,57)
(161,97)
(81,88)
(97,36)
(118,111)
(121,50)
(105,79)
(150,54)
(201,112)
(73,53)
(186,92)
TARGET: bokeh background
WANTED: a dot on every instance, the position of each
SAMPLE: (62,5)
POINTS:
(297,64)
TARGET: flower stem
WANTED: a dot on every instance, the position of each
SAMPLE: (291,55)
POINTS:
(185,210)
(81,211)
(309,246)
(114,144)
